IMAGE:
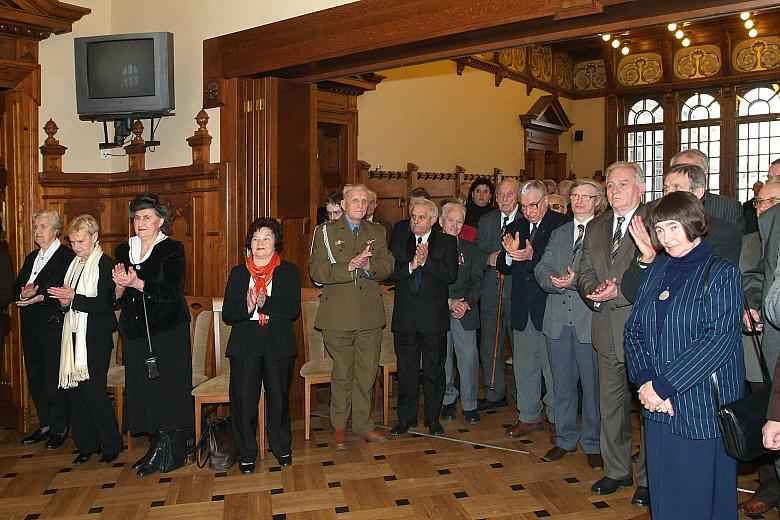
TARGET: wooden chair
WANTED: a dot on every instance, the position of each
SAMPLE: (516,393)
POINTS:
(216,389)
(387,359)
(115,384)
(318,364)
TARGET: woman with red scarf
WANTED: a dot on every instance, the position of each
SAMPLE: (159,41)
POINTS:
(262,298)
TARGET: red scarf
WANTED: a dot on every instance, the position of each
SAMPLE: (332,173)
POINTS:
(262,276)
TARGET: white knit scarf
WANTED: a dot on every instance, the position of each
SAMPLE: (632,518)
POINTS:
(73,358)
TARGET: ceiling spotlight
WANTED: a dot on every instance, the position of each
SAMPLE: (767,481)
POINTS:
(685,42)
(615,43)
(624,51)
(679,34)
(672,27)
(749,24)
(744,15)
(753,32)
(606,37)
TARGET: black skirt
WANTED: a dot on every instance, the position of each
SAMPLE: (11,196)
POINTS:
(165,403)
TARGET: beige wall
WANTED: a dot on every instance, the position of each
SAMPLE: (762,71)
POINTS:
(428,115)
(190,21)
(587,156)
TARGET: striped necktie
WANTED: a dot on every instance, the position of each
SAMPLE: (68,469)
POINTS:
(578,242)
(416,274)
(617,236)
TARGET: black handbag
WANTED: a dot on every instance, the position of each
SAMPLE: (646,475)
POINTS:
(175,449)
(741,421)
(217,446)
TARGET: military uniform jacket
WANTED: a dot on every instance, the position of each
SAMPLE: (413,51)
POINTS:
(350,300)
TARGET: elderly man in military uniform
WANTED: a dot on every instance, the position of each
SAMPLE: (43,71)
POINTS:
(349,257)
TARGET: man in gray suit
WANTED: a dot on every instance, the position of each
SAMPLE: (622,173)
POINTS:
(756,282)
(715,205)
(490,231)
(567,328)
(606,253)
(464,319)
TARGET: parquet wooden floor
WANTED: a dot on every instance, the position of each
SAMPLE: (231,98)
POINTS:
(473,472)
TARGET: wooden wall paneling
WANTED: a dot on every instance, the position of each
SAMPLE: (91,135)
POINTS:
(728,134)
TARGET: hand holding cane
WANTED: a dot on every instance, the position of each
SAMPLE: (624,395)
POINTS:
(500,277)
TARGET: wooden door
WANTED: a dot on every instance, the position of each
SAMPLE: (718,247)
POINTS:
(332,158)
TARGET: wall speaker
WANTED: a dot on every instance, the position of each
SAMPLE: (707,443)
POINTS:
(579,135)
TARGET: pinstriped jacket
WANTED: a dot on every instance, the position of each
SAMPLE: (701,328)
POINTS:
(700,335)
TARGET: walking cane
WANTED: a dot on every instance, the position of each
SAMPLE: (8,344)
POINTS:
(498,329)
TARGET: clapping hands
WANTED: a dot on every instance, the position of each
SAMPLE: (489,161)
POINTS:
(512,246)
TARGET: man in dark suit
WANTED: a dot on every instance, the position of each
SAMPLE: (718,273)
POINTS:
(402,226)
(490,231)
(523,247)
(723,237)
(715,205)
(426,263)
(42,328)
(606,252)
(464,319)
(749,210)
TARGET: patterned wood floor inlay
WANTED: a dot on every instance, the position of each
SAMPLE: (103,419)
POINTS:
(473,472)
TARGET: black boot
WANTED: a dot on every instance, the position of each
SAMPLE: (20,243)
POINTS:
(156,459)
(152,441)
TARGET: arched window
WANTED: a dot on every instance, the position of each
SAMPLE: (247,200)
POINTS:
(644,142)
(699,128)
(758,137)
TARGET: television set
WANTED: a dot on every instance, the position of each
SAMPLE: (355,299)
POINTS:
(122,75)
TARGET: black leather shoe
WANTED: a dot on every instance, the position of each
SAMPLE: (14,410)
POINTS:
(448,412)
(285,460)
(403,427)
(146,470)
(471,417)
(484,404)
(607,486)
(435,428)
(108,458)
(641,497)
(56,440)
(81,458)
(36,437)
(247,468)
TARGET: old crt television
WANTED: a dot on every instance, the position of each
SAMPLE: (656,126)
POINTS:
(124,74)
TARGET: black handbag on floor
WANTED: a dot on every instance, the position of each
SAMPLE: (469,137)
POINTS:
(175,448)
(217,446)
(741,421)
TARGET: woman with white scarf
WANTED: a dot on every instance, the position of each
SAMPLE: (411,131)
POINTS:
(154,324)
(87,299)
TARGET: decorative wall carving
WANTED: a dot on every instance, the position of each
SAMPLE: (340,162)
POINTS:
(697,62)
(520,58)
(563,71)
(640,69)
(590,75)
(541,62)
(757,54)
(513,59)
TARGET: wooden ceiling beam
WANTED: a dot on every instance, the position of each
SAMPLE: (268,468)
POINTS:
(39,18)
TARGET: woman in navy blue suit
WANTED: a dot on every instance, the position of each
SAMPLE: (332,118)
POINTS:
(685,327)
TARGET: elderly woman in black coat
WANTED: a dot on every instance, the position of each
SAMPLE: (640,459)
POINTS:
(154,326)
(262,297)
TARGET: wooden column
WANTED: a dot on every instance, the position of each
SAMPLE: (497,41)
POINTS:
(52,151)
(136,150)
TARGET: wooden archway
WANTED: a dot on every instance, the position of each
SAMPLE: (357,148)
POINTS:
(543,124)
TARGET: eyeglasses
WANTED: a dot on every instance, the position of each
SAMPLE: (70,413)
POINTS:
(763,202)
(583,198)
(534,206)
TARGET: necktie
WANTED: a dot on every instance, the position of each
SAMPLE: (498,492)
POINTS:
(503,225)
(617,236)
(533,231)
(355,230)
(417,275)
(578,242)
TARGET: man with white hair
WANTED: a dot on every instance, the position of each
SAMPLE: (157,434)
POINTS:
(349,257)
(716,205)
(464,294)
(598,282)
(426,263)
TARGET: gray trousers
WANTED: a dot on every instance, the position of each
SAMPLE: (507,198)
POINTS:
(461,344)
(615,405)
(572,361)
(529,363)
(487,319)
